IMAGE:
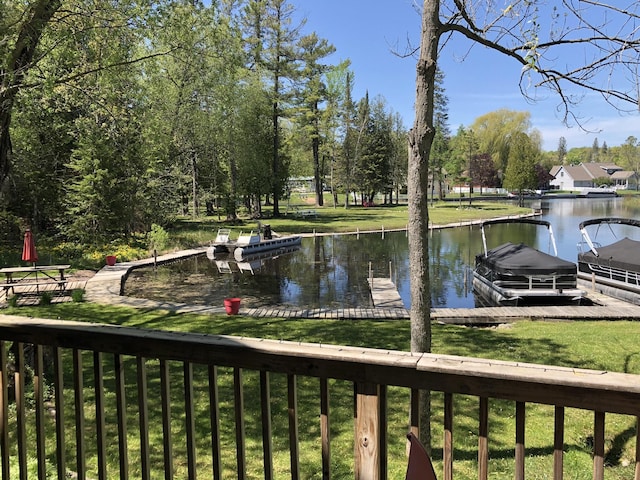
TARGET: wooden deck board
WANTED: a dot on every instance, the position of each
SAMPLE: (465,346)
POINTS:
(384,293)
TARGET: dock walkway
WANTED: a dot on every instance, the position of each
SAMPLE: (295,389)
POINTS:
(107,287)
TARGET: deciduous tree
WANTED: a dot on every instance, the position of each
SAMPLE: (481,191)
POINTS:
(539,40)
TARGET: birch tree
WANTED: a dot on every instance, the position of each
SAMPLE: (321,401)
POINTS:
(591,45)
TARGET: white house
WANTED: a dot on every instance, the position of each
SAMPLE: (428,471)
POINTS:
(586,175)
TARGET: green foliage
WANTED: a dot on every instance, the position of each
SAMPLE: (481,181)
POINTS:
(521,174)
(10,232)
(77,295)
(157,238)
(46,298)
(12,300)
(603,181)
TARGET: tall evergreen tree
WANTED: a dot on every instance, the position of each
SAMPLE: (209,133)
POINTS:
(274,44)
(562,150)
(313,50)
(440,146)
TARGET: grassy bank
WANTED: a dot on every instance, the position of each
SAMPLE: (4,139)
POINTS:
(608,346)
(186,232)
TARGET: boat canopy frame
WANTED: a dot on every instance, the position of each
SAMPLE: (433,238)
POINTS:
(599,221)
(533,221)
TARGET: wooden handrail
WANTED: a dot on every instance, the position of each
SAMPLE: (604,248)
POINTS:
(370,370)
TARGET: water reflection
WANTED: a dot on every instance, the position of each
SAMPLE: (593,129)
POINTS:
(331,272)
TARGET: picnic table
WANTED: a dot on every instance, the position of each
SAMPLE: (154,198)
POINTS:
(34,276)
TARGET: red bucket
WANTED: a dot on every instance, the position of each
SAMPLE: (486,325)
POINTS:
(111,260)
(232,305)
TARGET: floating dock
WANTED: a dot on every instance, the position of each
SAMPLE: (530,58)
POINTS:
(384,293)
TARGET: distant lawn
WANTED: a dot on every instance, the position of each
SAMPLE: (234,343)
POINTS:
(608,346)
(189,232)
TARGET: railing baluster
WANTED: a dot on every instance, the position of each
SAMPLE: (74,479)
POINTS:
(637,474)
(447,449)
(4,411)
(483,439)
(325,431)
(367,432)
(190,426)
(121,401)
(382,439)
(20,410)
(558,444)
(520,432)
(292,396)
(239,408)
(214,414)
(598,446)
(165,398)
(60,438)
(98,373)
(38,393)
(414,414)
(265,407)
(143,418)
(78,385)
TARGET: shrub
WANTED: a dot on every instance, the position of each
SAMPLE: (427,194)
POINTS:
(157,238)
(13,300)
(77,295)
(46,298)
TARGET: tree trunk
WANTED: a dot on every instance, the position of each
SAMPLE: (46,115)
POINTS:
(315,147)
(420,140)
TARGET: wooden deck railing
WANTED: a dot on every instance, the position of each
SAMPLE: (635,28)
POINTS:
(103,401)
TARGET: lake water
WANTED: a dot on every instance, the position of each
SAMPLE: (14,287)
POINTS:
(331,271)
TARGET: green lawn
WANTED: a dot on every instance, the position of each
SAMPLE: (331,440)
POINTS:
(599,345)
(187,232)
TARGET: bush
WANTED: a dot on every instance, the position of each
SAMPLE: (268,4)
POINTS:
(10,233)
(12,301)
(157,238)
(46,298)
(77,295)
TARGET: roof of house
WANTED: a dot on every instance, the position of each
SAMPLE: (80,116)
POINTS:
(555,169)
(587,171)
(622,174)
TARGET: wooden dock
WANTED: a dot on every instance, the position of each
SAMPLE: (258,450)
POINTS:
(384,293)
(106,285)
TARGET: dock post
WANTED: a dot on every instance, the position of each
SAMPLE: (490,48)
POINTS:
(390,274)
(383,232)
(370,274)
(155,259)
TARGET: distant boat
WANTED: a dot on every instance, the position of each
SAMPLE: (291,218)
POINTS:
(613,269)
(249,244)
(519,274)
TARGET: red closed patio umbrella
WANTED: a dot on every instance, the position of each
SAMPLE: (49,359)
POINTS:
(29,253)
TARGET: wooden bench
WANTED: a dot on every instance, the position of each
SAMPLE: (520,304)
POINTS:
(33,288)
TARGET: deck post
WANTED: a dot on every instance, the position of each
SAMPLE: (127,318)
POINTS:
(367,431)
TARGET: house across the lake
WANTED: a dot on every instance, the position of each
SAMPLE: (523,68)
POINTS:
(592,175)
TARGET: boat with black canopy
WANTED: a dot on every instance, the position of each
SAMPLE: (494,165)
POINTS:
(612,269)
(519,274)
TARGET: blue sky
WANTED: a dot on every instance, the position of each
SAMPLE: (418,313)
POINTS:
(476,82)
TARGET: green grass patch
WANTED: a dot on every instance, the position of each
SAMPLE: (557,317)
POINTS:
(187,232)
(610,346)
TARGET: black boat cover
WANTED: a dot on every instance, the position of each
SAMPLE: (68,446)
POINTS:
(623,254)
(511,259)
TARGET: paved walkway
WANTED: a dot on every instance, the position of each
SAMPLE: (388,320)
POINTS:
(107,286)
